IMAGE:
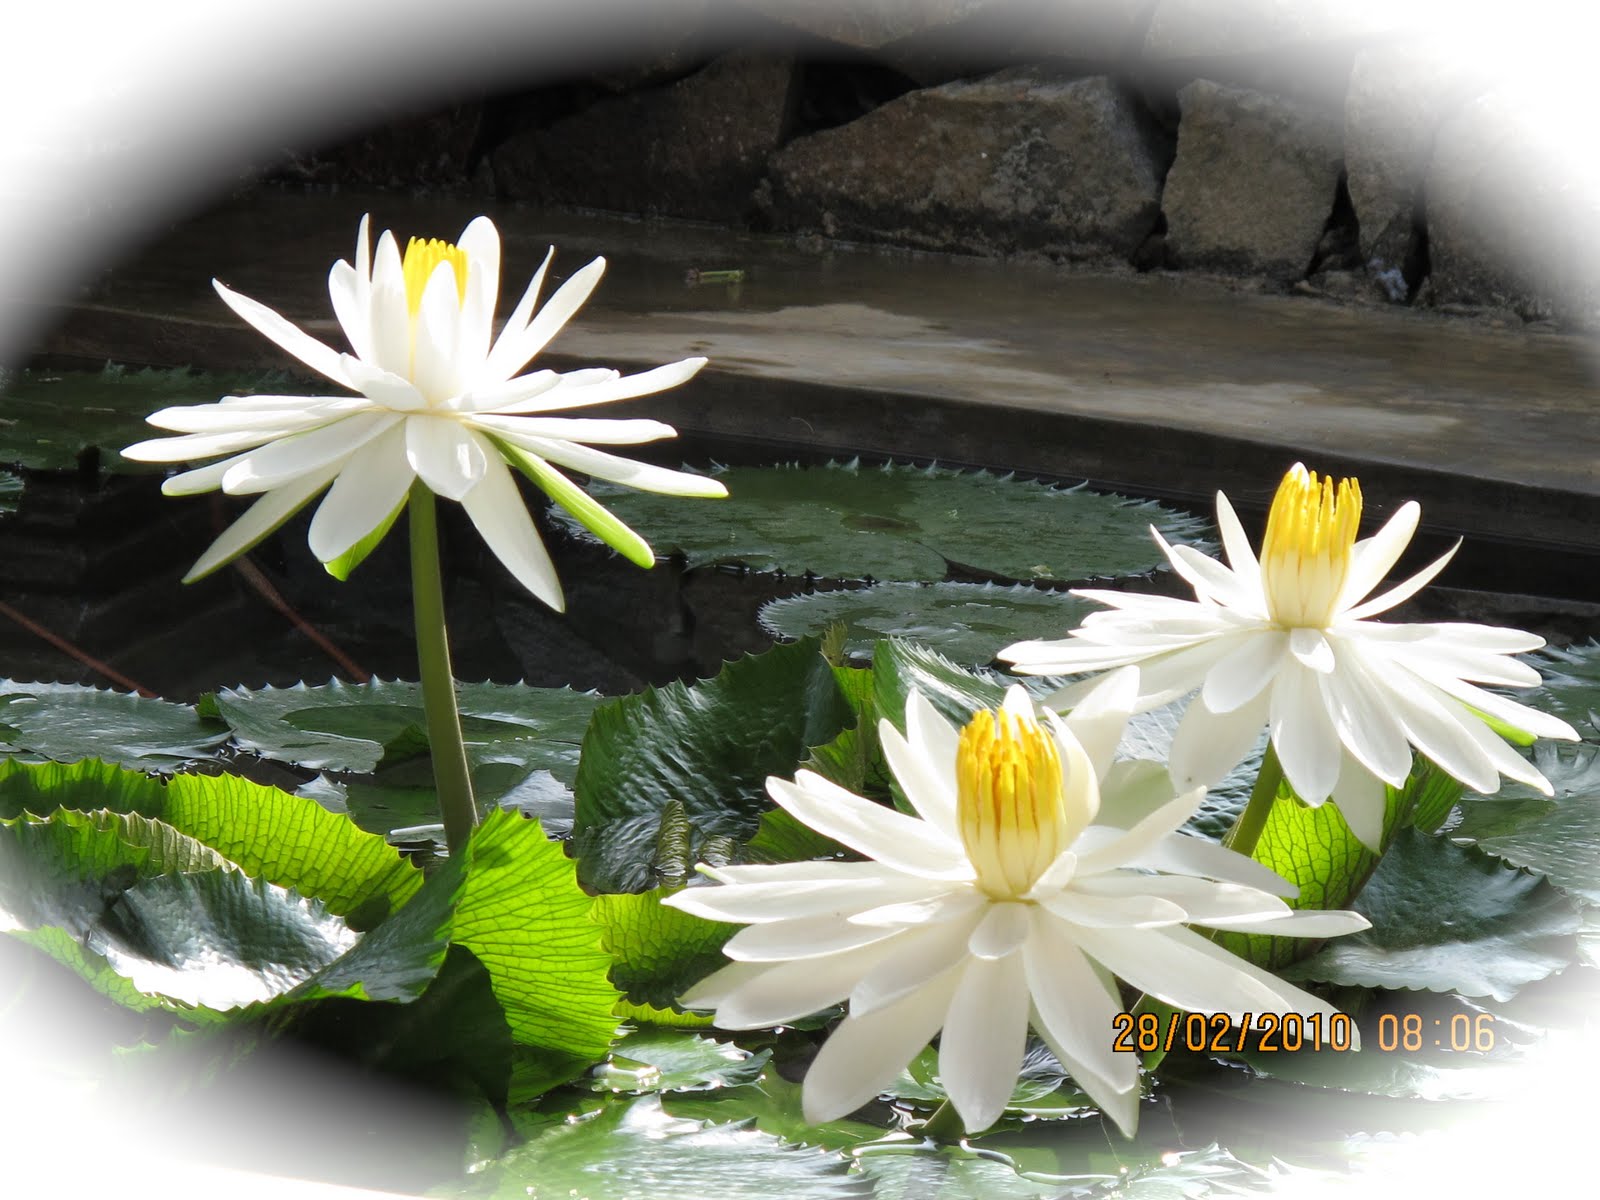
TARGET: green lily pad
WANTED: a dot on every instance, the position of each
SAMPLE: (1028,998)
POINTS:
(707,749)
(1557,836)
(1042,1085)
(67,722)
(523,915)
(352,727)
(53,416)
(658,953)
(664,1060)
(1571,687)
(1449,918)
(846,521)
(968,622)
(772,1103)
(287,840)
(160,910)
(901,667)
(632,1150)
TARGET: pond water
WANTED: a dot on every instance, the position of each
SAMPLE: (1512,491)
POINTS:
(95,552)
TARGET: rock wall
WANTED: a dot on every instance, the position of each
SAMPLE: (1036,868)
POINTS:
(1285,144)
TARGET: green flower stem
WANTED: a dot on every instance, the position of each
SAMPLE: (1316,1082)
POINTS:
(945,1125)
(1246,831)
(451,776)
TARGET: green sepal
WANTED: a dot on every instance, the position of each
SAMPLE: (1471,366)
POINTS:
(352,558)
(585,509)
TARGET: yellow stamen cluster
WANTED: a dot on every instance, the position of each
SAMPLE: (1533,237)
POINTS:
(1306,553)
(421,259)
(1010,801)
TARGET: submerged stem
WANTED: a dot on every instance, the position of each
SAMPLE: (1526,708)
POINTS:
(1246,831)
(450,773)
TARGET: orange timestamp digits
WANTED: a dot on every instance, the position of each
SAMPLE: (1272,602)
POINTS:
(1217,1033)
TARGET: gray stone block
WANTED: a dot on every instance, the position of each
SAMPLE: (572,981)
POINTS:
(696,148)
(1014,161)
(1253,182)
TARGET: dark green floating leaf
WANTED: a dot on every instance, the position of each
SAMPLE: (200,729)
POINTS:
(899,668)
(1558,836)
(67,722)
(635,1151)
(144,902)
(1571,687)
(1447,918)
(53,416)
(351,727)
(664,1060)
(898,522)
(709,747)
(773,1104)
(968,622)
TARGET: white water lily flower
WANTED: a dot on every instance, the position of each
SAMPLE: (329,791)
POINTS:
(1285,643)
(1001,905)
(440,399)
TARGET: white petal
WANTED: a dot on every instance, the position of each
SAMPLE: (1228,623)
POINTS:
(931,792)
(503,393)
(201,479)
(1188,855)
(865,1054)
(880,833)
(809,871)
(1372,558)
(270,420)
(1075,1007)
(369,487)
(1174,972)
(449,457)
(285,334)
(1355,704)
(933,741)
(614,469)
(1286,997)
(260,519)
(787,899)
(391,313)
(498,365)
(793,990)
(1311,649)
(1363,802)
(1211,580)
(1314,923)
(434,336)
(957,903)
(383,387)
(917,956)
(1118,847)
(604,391)
(496,508)
(480,242)
(1202,900)
(1234,542)
(1303,735)
(195,446)
(999,932)
(1113,912)
(291,457)
(1098,720)
(343,288)
(1208,745)
(985,1036)
(511,354)
(1404,591)
(600,432)
(801,937)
